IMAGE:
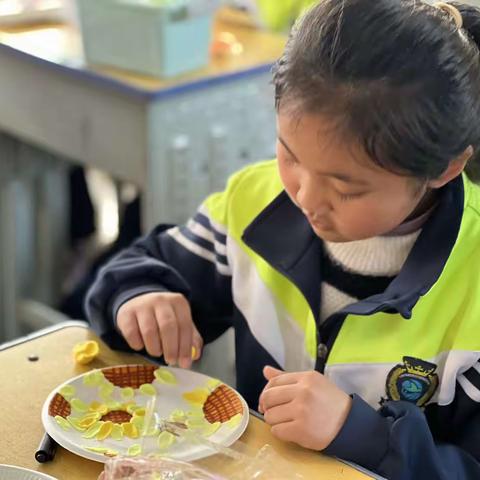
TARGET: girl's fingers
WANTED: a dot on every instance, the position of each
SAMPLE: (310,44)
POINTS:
(185,331)
(149,330)
(128,326)
(168,326)
(279,414)
(276,396)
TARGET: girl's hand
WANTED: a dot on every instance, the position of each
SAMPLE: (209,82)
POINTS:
(162,323)
(303,407)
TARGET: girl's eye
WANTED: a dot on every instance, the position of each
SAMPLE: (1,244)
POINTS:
(345,197)
(289,160)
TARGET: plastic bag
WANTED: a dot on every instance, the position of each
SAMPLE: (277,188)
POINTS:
(265,465)
(122,468)
(237,462)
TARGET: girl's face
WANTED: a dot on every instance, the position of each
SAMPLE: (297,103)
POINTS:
(343,194)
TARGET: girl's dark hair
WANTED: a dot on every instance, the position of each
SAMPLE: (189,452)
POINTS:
(397,76)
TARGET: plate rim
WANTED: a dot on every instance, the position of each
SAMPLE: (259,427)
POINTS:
(17,468)
(97,457)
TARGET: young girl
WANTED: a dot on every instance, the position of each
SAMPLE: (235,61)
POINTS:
(349,268)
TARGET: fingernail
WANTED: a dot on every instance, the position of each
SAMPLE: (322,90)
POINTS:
(185,362)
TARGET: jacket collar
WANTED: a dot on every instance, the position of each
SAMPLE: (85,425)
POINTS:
(282,236)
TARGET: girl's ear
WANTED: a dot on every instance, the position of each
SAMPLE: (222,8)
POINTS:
(455,168)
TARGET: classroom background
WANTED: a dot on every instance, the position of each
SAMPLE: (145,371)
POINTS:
(115,116)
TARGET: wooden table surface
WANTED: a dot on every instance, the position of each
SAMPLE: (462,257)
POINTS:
(24,386)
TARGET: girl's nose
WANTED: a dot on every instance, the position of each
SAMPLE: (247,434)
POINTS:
(311,200)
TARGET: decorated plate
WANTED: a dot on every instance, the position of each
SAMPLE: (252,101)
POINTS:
(10,472)
(129,409)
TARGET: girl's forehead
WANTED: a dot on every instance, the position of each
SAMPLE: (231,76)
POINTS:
(317,143)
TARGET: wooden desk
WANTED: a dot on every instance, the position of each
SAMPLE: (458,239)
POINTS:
(24,385)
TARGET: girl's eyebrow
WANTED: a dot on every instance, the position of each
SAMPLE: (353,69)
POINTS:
(339,176)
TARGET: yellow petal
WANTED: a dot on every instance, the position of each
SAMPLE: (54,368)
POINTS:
(63,424)
(87,422)
(134,450)
(213,383)
(130,430)
(210,429)
(98,407)
(93,378)
(139,412)
(78,405)
(196,423)
(108,452)
(67,391)
(197,396)
(234,421)
(165,376)
(127,392)
(178,416)
(117,432)
(113,405)
(148,389)
(105,431)
(106,390)
(132,408)
(95,415)
(75,423)
(165,440)
(93,430)
(138,422)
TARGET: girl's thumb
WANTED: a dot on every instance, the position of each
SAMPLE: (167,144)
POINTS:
(271,372)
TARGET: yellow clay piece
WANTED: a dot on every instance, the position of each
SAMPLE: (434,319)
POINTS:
(130,430)
(213,383)
(114,405)
(138,422)
(93,378)
(98,407)
(164,375)
(108,452)
(132,408)
(134,450)
(87,422)
(67,391)
(196,423)
(105,431)
(85,352)
(78,405)
(234,421)
(127,392)
(210,429)
(95,415)
(197,396)
(178,416)
(165,440)
(106,390)
(139,412)
(93,430)
(75,423)
(117,432)
(148,389)
(62,423)
(194,353)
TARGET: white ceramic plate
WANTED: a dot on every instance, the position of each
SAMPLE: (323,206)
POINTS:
(9,472)
(113,387)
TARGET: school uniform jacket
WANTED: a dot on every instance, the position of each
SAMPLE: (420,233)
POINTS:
(409,356)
